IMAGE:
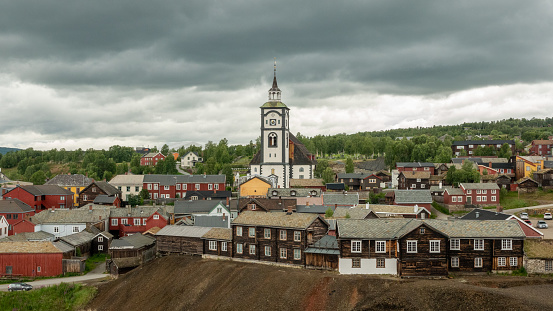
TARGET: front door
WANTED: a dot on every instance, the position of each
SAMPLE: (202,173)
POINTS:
(469,200)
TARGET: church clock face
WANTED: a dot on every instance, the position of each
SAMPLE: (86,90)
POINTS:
(273,122)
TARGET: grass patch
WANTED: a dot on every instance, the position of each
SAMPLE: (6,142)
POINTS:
(440,208)
(513,199)
(93,261)
(58,297)
(518,272)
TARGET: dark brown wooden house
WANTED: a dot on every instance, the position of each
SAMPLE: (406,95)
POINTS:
(323,254)
(423,252)
(181,239)
(101,243)
(527,185)
(414,180)
(544,178)
(130,252)
(276,237)
(266,205)
(97,188)
(370,182)
(218,242)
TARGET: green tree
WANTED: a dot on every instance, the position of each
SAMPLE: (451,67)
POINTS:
(144,194)
(328,175)
(227,171)
(329,213)
(322,165)
(165,150)
(38,178)
(135,200)
(349,165)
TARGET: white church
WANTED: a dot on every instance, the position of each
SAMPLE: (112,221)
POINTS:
(281,156)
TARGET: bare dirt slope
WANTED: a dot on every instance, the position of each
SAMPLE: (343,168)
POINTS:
(192,283)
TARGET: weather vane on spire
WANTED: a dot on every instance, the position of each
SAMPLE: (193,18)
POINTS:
(275,66)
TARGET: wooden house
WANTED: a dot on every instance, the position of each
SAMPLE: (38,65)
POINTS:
(129,252)
(544,178)
(256,186)
(527,185)
(218,242)
(151,159)
(316,183)
(352,180)
(538,256)
(81,242)
(266,205)
(323,254)
(30,259)
(276,237)
(14,210)
(72,182)
(371,182)
(181,239)
(414,180)
(412,198)
(416,167)
(97,188)
(41,197)
(101,242)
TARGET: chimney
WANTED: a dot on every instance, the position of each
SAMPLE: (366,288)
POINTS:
(477,214)
(307,203)
(289,210)
(490,164)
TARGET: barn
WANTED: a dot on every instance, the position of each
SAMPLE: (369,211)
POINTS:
(30,259)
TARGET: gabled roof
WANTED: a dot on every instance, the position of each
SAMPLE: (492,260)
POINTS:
(28,247)
(14,206)
(348,198)
(354,213)
(538,249)
(218,234)
(127,180)
(169,180)
(142,211)
(67,180)
(317,209)
(73,216)
(483,214)
(314,182)
(152,154)
(293,192)
(455,191)
(197,206)
(276,219)
(38,190)
(352,175)
(438,189)
(335,186)
(413,196)
(29,236)
(478,228)
(415,175)
(302,156)
(479,186)
(104,199)
(64,247)
(374,228)
(270,205)
(326,245)
(77,239)
(183,231)
(414,164)
(135,241)
(208,194)
(107,188)
(527,180)
(397,209)
(212,221)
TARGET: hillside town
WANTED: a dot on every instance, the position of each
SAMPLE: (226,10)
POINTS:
(412,220)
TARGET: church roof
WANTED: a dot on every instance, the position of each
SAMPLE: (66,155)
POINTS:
(302,156)
(274,105)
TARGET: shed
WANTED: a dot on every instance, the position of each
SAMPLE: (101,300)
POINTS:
(323,254)
(181,239)
(30,259)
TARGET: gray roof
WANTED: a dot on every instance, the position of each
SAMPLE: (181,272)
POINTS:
(38,190)
(29,236)
(136,212)
(318,209)
(486,186)
(326,245)
(352,175)
(482,142)
(77,239)
(67,180)
(64,247)
(14,206)
(414,164)
(354,213)
(455,191)
(134,241)
(196,206)
(275,219)
(351,198)
(413,196)
(106,234)
(438,189)
(183,231)
(212,221)
(374,228)
(107,188)
(67,216)
(293,192)
(127,180)
(484,214)
(167,180)
(104,199)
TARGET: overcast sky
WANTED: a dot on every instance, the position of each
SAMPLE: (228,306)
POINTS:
(91,74)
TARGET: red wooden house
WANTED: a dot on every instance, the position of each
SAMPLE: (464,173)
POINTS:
(481,193)
(416,166)
(176,186)
(30,259)
(41,197)
(151,159)
(14,211)
(541,147)
(127,221)
(23,225)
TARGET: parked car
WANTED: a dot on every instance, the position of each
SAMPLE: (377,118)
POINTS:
(19,286)
(547,216)
(541,224)
(528,222)
(523,215)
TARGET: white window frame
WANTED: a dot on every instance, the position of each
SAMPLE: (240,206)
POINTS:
(209,186)
(223,246)
(494,198)
(197,186)
(143,221)
(283,253)
(156,216)
(453,199)
(238,231)
(455,244)
(433,245)
(114,222)
(356,263)
(297,254)
(267,251)
(478,244)
(239,248)
(548,265)
(212,245)
(267,233)
(156,187)
(149,186)
(507,244)
(100,239)
(100,247)
(297,236)
(513,261)
(282,235)
(356,246)
(184,186)
(124,221)
(216,186)
(501,261)
(251,232)
(455,262)
(478,262)
(165,187)
(178,186)
(380,247)
(75,229)
(252,249)
(411,246)
(56,229)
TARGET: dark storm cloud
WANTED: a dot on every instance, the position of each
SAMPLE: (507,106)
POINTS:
(404,47)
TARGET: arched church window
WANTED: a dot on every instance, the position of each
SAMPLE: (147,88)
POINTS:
(301,169)
(273,140)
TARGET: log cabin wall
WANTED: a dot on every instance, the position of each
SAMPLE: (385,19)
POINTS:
(516,251)
(467,256)
(219,245)
(423,262)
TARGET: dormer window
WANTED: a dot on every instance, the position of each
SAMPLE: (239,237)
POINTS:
(293,193)
(275,193)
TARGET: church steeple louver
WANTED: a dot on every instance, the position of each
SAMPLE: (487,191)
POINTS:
(274,92)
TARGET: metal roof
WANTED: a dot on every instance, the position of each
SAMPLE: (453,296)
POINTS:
(197,206)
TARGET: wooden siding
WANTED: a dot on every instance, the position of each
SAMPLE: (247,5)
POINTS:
(467,255)
(324,261)
(423,262)
(180,245)
(219,251)
(27,264)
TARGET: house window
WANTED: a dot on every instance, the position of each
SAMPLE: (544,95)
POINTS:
(435,246)
(506,244)
(128,188)
(114,222)
(100,247)
(501,262)
(478,198)
(238,231)
(178,186)
(484,198)
(411,246)
(493,191)
(219,210)
(252,249)
(252,207)
(56,229)
(156,186)
(100,239)
(93,189)
(453,199)
(149,186)
(413,186)
(209,186)
(212,245)
(137,221)
(484,191)
(75,229)
(216,186)
(283,253)
(301,169)
(272,140)
(267,251)
(422,231)
(423,186)
(478,244)
(513,261)
(224,246)
(283,235)
(143,221)
(156,216)
(455,262)
(356,246)
(267,233)
(380,246)
(380,263)
(239,249)
(460,199)
(38,269)
(251,232)
(184,186)
(136,189)
(478,262)
(123,221)
(469,191)
(418,180)
(494,198)
(454,244)
(356,262)
(297,254)
(293,193)
(549,265)
(194,198)
(62,198)
(85,198)
(297,236)
(197,186)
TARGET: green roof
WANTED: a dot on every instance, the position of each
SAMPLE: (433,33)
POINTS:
(274,105)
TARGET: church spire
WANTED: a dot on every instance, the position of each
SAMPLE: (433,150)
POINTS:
(274,92)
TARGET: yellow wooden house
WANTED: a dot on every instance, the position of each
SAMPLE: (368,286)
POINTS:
(254,187)
(72,182)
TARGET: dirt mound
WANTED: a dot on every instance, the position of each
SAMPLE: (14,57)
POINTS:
(192,283)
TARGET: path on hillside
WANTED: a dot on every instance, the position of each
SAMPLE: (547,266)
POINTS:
(181,171)
(96,274)
(439,215)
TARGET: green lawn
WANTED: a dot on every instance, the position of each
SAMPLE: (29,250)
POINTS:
(513,200)
(58,297)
